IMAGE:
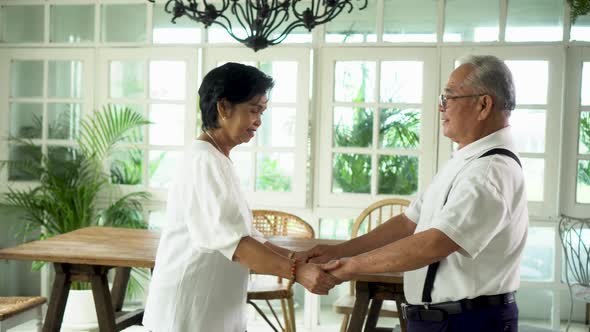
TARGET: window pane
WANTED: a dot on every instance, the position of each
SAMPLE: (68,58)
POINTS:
(168,80)
(530,81)
(584,143)
(534,177)
(278,127)
(353,127)
(536,305)
(585,93)
(399,128)
(355,27)
(183,31)
(127,79)
(534,20)
(529,129)
(354,81)
(283,72)
(124,23)
(59,154)
(127,167)
(65,79)
(72,24)
(26,78)
(63,120)
(351,173)
(274,171)
(538,261)
(581,29)
(460,29)
(398,175)
(583,187)
(22,24)
(162,166)
(242,161)
(401,81)
(335,229)
(157,219)
(406,21)
(26,120)
(167,126)
(23,153)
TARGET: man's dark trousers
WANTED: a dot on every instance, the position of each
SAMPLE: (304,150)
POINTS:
(498,318)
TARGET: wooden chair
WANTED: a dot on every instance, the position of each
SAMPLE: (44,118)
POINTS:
(370,218)
(18,310)
(276,223)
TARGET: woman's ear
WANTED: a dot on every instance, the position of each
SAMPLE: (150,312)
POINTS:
(222,109)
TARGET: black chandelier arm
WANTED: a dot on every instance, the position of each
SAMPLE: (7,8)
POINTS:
(234,9)
(282,15)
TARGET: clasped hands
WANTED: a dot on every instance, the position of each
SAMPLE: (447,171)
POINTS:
(321,268)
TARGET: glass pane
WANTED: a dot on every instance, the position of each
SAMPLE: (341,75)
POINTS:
(242,161)
(581,29)
(162,166)
(531,81)
(26,120)
(63,120)
(72,24)
(534,177)
(534,20)
(59,154)
(284,74)
(529,129)
(354,27)
(586,84)
(538,258)
(584,143)
(157,219)
(65,79)
(23,153)
(535,306)
(168,80)
(410,21)
(183,31)
(401,81)
(26,78)
(354,81)
(124,23)
(127,79)
(351,173)
(335,229)
(353,126)
(22,24)
(127,167)
(274,172)
(460,29)
(278,127)
(583,187)
(399,128)
(167,126)
(398,175)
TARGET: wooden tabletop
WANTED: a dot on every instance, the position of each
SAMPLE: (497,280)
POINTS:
(92,246)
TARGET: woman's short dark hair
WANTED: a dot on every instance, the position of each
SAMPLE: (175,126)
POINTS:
(234,82)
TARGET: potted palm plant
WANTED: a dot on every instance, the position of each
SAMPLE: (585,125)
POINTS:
(74,191)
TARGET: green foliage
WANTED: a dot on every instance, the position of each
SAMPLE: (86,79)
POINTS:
(578,8)
(271,178)
(584,167)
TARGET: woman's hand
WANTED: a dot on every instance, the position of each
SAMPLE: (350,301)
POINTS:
(315,279)
(319,254)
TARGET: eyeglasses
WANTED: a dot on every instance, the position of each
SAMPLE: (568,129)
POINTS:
(442,99)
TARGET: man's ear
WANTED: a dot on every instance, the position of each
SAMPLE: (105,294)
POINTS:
(486,103)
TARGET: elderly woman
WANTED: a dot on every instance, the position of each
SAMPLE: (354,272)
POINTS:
(208,243)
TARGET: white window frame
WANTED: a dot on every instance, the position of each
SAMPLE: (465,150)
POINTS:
(297,197)
(427,149)
(546,209)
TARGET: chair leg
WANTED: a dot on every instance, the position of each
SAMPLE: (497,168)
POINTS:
(285,315)
(587,313)
(39,314)
(345,321)
(291,305)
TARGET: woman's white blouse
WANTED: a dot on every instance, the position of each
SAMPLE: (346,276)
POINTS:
(195,285)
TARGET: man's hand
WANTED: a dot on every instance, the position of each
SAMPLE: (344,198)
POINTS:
(319,254)
(341,269)
(314,279)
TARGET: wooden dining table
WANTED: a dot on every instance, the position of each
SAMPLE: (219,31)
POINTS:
(89,253)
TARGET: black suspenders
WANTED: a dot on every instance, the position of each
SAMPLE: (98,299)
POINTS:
(431,273)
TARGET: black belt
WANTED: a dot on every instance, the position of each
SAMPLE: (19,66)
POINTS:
(440,311)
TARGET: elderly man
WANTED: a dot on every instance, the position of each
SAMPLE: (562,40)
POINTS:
(460,242)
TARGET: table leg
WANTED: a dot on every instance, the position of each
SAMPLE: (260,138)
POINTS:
(361,304)
(373,316)
(399,299)
(120,287)
(102,301)
(58,299)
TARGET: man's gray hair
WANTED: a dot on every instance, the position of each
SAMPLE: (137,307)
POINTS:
(491,76)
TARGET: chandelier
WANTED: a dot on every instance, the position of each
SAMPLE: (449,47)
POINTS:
(265,22)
